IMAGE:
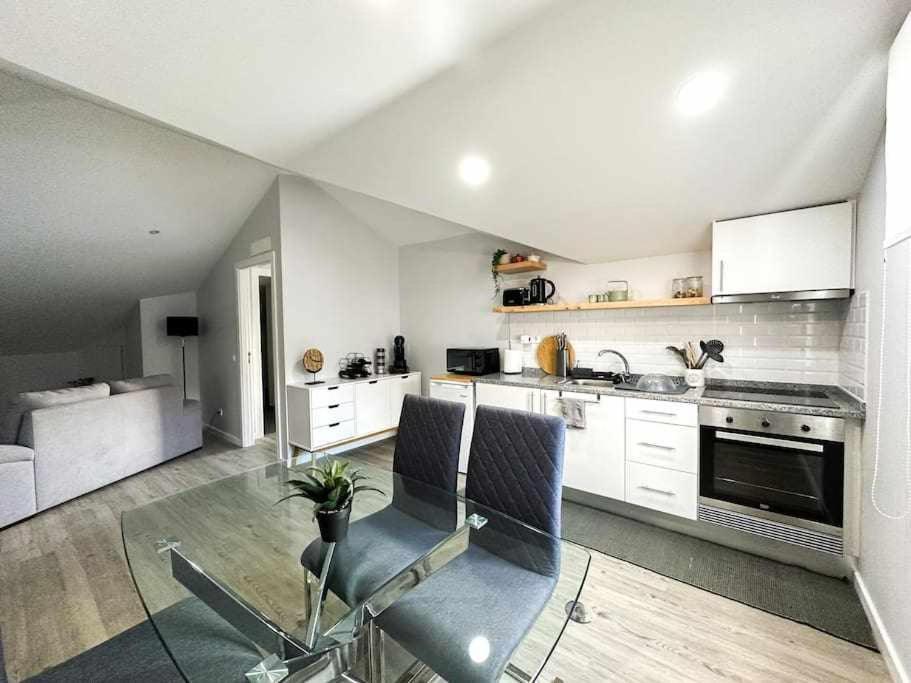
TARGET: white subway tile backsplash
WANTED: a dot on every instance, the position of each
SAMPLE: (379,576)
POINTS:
(787,342)
(853,347)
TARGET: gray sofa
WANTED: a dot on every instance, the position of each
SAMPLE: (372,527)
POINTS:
(87,438)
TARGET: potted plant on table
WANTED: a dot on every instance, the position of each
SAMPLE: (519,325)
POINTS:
(331,488)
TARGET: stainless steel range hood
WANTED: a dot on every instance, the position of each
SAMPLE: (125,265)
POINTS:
(805,295)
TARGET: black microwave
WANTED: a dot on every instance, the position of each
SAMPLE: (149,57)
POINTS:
(472,361)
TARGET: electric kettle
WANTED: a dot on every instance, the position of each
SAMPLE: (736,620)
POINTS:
(537,289)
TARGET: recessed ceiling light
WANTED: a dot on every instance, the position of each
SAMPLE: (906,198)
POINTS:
(154,232)
(474,170)
(479,649)
(701,92)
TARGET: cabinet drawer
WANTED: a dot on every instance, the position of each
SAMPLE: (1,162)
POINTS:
(661,489)
(336,431)
(334,412)
(672,412)
(325,396)
(666,445)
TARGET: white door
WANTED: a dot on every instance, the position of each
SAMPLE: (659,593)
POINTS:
(371,407)
(399,387)
(460,393)
(499,396)
(784,252)
(594,457)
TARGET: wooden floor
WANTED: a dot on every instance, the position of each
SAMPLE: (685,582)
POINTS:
(65,587)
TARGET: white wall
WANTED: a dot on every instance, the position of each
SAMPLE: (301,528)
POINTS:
(446,294)
(161,353)
(340,280)
(885,556)
(217,306)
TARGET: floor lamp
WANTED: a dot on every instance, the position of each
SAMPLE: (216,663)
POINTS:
(183,326)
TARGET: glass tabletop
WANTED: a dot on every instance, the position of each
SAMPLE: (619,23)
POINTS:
(240,587)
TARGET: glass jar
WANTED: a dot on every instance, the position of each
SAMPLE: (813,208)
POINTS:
(694,286)
(678,288)
(617,290)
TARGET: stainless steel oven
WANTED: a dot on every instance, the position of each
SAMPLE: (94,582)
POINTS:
(779,475)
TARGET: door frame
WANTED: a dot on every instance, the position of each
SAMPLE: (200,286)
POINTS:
(249,347)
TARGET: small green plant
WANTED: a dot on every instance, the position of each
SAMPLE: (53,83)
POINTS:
(331,487)
(495,261)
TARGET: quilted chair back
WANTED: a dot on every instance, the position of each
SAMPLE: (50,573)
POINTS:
(516,468)
(427,451)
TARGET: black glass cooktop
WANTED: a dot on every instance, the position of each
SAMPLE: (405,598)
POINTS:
(796,397)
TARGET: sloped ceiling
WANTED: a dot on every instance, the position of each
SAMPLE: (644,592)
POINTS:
(80,187)
(590,159)
(267,79)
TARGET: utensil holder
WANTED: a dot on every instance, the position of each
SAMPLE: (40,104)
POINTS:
(695,378)
(562,363)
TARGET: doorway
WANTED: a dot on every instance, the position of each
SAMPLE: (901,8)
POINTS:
(257,344)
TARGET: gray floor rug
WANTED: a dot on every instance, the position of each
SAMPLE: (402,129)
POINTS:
(825,603)
(209,647)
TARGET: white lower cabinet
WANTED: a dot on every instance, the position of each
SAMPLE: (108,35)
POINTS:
(661,489)
(371,407)
(399,387)
(324,415)
(664,445)
(500,396)
(593,458)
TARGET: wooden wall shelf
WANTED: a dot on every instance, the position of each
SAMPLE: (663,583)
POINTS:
(605,305)
(521,267)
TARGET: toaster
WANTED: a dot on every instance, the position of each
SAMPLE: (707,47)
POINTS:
(517,296)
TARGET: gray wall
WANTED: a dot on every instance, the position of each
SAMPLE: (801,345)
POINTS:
(340,284)
(219,376)
(133,343)
(885,558)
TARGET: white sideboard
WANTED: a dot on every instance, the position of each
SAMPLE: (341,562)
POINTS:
(346,410)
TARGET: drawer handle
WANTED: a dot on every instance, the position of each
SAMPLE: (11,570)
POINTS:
(373,381)
(331,388)
(663,492)
(404,376)
(335,424)
(658,412)
(334,405)
(655,445)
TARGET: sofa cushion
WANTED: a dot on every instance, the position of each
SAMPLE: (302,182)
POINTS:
(33,400)
(16,454)
(125,386)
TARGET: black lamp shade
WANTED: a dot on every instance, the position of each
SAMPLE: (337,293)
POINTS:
(182,326)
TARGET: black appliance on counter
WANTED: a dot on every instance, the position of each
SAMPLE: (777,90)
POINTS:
(517,296)
(538,290)
(399,365)
(472,361)
(778,475)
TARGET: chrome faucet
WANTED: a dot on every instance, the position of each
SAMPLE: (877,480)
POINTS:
(626,373)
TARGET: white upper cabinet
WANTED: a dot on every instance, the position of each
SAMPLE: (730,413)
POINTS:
(791,251)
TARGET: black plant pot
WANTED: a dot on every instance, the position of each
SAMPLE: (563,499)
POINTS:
(333,524)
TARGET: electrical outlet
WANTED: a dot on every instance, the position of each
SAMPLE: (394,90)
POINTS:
(221,412)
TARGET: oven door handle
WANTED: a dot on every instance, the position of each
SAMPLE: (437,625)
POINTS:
(768,441)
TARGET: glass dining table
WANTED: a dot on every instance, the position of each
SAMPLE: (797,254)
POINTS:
(240,587)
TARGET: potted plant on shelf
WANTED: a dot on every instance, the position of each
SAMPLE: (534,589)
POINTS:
(498,259)
(331,488)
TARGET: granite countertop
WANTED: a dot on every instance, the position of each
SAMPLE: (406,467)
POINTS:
(848,406)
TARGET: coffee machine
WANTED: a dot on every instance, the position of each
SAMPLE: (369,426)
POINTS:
(399,365)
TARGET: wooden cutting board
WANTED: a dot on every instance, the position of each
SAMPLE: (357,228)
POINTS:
(547,354)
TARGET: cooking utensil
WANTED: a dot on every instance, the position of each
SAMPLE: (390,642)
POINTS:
(679,352)
(711,350)
(547,353)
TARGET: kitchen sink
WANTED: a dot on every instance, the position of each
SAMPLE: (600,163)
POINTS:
(678,389)
(588,383)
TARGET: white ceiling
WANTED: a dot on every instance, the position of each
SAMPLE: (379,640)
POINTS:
(590,160)
(80,187)
(266,79)
(395,223)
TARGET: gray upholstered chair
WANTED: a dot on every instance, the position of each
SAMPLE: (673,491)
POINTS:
(381,545)
(495,590)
